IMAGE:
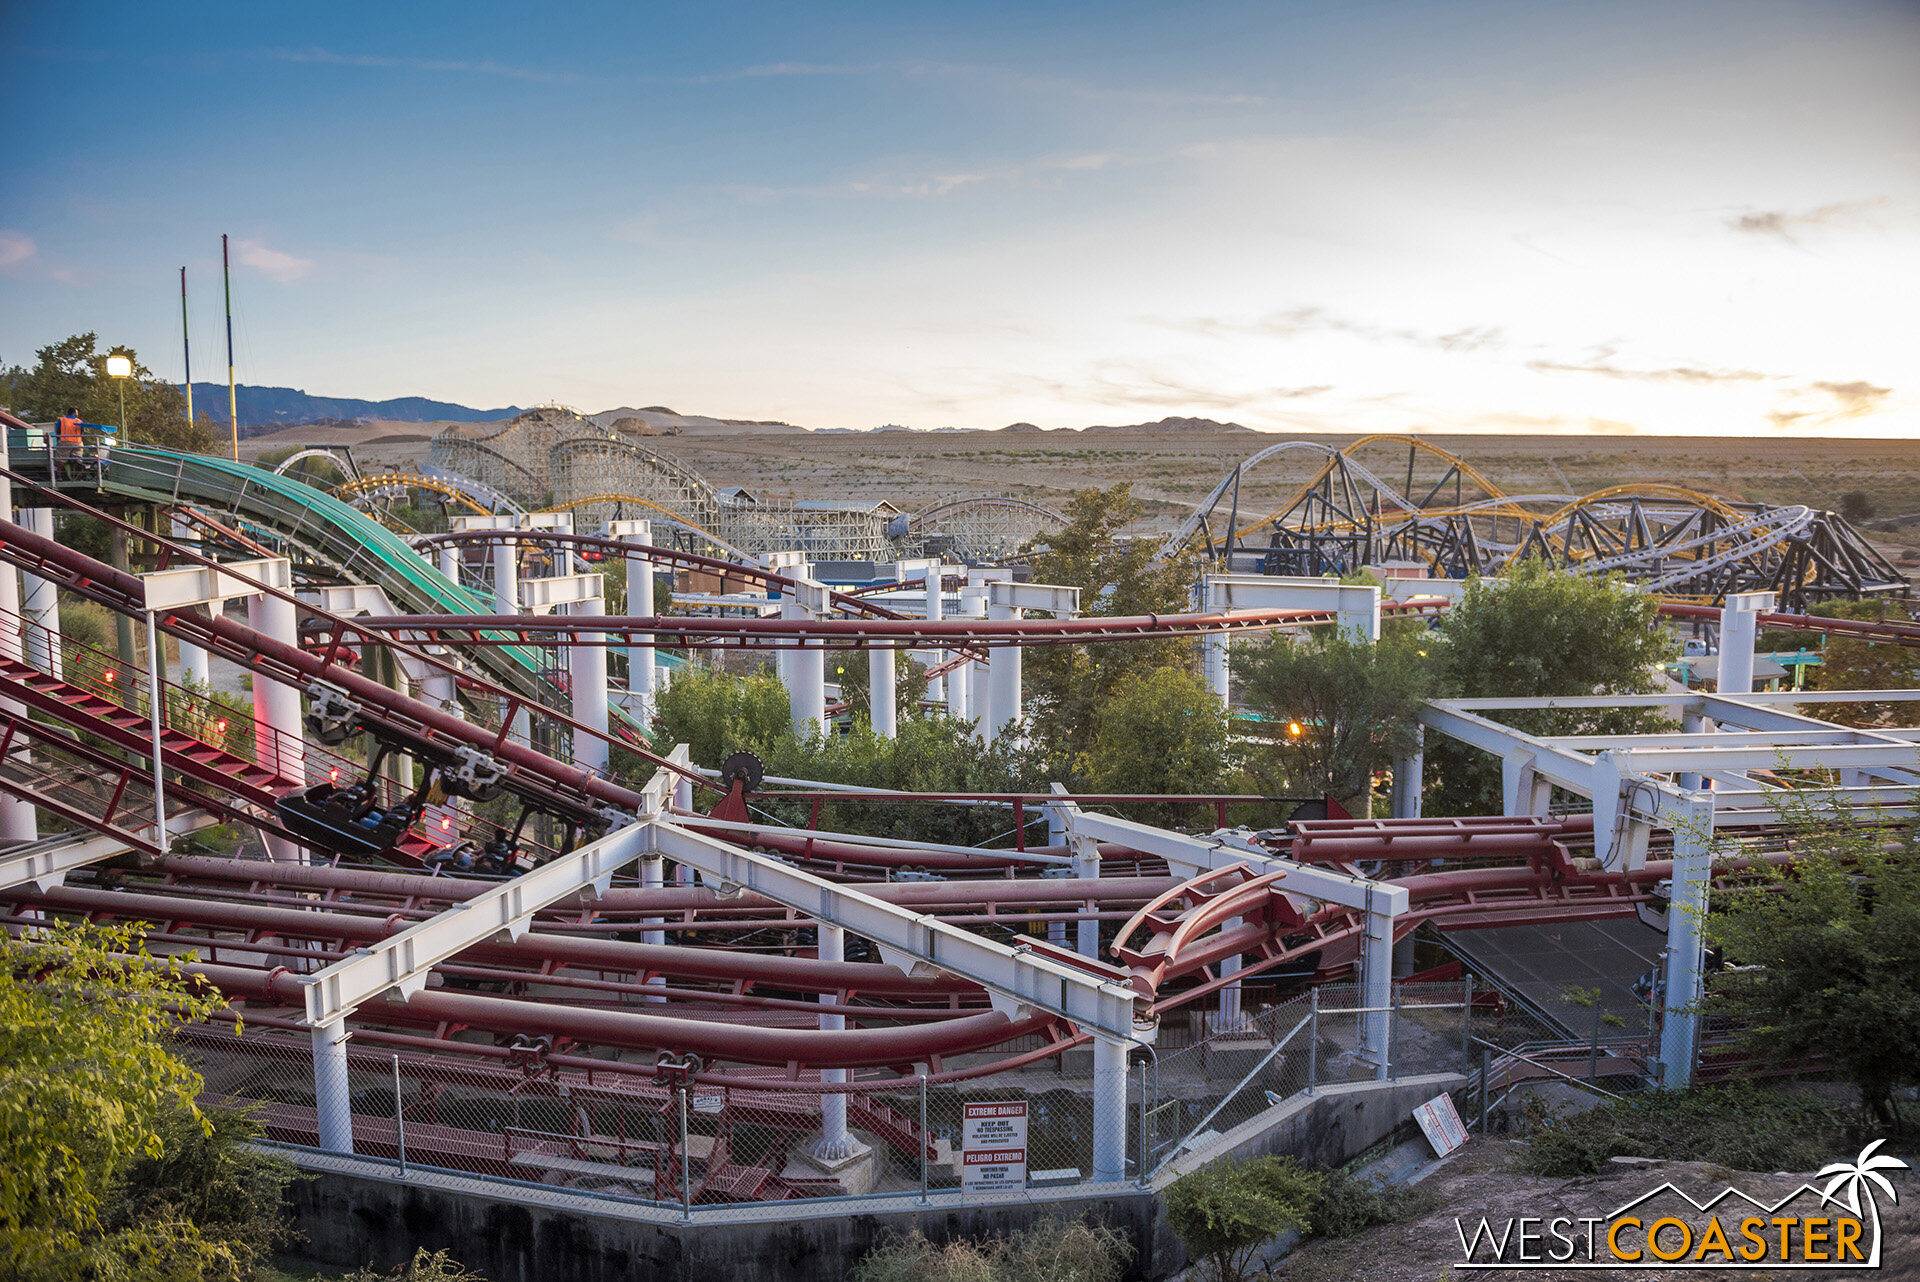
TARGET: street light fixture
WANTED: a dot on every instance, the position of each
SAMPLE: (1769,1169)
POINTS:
(121,368)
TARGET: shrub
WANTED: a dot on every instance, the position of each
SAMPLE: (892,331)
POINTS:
(1739,1127)
(438,1266)
(1349,1204)
(1052,1251)
(1224,1212)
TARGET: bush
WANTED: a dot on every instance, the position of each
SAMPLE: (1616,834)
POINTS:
(439,1266)
(1739,1127)
(1349,1204)
(1053,1251)
(1224,1212)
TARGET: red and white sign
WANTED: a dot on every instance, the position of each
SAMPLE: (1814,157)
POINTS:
(993,1146)
(1440,1123)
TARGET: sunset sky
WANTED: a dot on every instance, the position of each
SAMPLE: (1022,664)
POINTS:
(1664,218)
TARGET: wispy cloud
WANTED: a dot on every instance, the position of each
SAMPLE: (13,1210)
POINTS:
(1857,398)
(16,248)
(274,264)
(485,67)
(1787,226)
(1310,320)
(1672,374)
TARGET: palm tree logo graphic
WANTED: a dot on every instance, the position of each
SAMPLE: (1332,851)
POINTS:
(1861,1176)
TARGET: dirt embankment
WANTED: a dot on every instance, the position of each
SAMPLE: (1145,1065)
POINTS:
(1482,1182)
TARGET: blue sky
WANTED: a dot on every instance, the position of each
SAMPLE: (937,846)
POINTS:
(1656,218)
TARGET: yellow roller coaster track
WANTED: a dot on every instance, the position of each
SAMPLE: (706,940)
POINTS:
(1467,470)
(668,512)
(363,486)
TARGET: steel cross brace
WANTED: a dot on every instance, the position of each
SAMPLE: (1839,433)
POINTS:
(399,965)
(1016,979)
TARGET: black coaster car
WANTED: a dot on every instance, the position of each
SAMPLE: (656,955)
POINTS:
(345,820)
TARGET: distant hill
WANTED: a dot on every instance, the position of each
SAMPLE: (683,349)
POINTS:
(273,407)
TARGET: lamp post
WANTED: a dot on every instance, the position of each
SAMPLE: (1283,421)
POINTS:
(121,369)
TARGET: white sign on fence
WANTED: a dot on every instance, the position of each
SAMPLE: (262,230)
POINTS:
(709,1103)
(1440,1123)
(993,1146)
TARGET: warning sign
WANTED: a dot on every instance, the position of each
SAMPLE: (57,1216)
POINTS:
(1440,1122)
(993,1144)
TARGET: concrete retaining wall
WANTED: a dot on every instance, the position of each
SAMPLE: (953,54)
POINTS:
(357,1212)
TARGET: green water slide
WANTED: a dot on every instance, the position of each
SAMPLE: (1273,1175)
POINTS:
(322,527)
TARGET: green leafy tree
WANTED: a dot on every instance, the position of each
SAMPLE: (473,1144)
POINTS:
(715,713)
(849,669)
(1067,686)
(72,375)
(1166,732)
(1826,953)
(1542,632)
(1848,663)
(1335,709)
(1225,1212)
(94,1106)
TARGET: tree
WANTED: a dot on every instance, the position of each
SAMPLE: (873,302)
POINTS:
(1540,633)
(72,375)
(1335,709)
(1066,686)
(1166,732)
(849,669)
(1826,952)
(1224,1212)
(716,714)
(1848,663)
(1856,506)
(103,1154)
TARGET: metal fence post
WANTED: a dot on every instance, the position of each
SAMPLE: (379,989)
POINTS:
(1486,1070)
(1386,1045)
(686,1166)
(1593,1047)
(1313,1038)
(1146,1116)
(1466,1018)
(399,1116)
(924,1161)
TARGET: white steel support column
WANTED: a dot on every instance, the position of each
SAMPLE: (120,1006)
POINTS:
(506,576)
(40,603)
(883,692)
(1692,872)
(277,727)
(640,655)
(1407,774)
(194,662)
(936,690)
(1522,790)
(1739,625)
(1376,990)
(1003,679)
(332,1100)
(450,562)
(17,820)
(1691,722)
(959,682)
(806,670)
(1109,1109)
(1230,1008)
(1086,867)
(652,877)
(836,1144)
(587,665)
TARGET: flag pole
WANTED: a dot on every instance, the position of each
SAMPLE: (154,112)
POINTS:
(186,345)
(233,398)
